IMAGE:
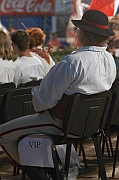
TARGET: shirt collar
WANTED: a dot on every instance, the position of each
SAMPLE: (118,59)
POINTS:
(93,48)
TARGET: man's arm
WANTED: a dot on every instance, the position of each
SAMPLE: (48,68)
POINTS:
(52,87)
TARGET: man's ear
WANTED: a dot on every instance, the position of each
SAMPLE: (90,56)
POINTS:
(14,46)
(29,44)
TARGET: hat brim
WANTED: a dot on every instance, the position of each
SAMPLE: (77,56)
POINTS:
(82,25)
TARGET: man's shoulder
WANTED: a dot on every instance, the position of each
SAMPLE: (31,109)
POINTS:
(18,60)
(25,58)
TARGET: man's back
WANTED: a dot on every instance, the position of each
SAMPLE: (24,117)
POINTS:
(28,67)
(31,69)
(89,70)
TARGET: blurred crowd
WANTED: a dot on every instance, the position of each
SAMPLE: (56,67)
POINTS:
(31,62)
(25,54)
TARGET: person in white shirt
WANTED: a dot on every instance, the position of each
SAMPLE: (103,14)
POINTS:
(89,70)
(31,67)
(37,39)
(7,67)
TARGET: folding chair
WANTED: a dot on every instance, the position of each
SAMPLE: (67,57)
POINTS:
(31,83)
(4,87)
(112,126)
(85,118)
(16,103)
(111,117)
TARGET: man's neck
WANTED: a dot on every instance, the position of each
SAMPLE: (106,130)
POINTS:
(94,44)
(24,53)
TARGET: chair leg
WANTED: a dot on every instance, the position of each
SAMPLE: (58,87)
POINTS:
(67,159)
(115,156)
(80,150)
(23,174)
(56,159)
(107,146)
(76,146)
(110,143)
(14,170)
(83,153)
(102,171)
(17,171)
(106,140)
(103,144)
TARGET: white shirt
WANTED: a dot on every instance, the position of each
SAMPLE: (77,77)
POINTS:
(88,70)
(47,66)
(7,71)
(30,69)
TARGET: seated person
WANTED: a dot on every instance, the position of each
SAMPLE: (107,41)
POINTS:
(37,39)
(31,67)
(7,66)
(88,70)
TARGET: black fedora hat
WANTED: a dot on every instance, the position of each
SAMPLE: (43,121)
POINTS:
(94,21)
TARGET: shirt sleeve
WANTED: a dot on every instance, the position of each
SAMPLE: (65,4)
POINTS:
(52,87)
(17,75)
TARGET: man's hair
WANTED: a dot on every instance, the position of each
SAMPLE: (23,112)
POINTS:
(5,46)
(95,38)
(21,39)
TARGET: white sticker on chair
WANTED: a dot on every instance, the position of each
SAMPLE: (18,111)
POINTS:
(35,152)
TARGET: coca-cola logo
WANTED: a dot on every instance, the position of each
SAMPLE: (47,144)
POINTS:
(27,6)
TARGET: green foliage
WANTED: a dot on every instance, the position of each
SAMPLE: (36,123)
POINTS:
(60,53)
(14,56)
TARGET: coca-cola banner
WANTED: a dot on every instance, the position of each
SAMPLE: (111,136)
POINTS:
(27,7)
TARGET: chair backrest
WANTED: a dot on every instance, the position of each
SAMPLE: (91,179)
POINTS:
(113,116)
(16,103)
(86,114)
(31,83)
(4,87)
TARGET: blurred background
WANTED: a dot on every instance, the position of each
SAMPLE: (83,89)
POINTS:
(53,17)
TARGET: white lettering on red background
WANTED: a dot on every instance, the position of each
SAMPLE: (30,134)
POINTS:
(26,6)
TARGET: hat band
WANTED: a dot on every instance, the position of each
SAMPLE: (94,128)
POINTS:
(93,24)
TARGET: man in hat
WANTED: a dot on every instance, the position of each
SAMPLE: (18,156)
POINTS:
(88,70)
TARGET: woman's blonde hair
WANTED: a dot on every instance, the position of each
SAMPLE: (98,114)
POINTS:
(37,37)
(5,46)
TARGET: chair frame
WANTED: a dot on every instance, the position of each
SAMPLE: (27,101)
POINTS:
(16,103)
(5,87)
(112,126)
(31,83)
(89,112)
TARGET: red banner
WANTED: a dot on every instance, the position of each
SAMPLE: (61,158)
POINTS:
(27,7)
(109,7)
